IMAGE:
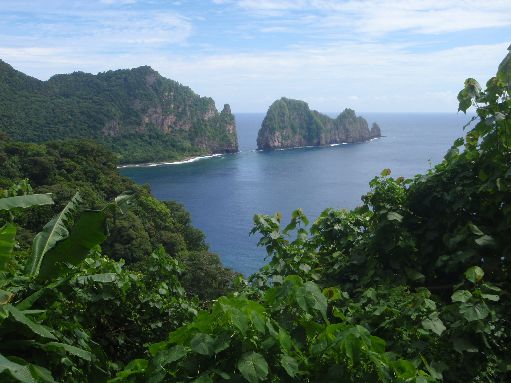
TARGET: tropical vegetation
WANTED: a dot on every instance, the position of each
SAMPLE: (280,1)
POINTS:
(411,286)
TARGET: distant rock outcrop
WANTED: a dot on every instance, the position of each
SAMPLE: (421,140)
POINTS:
(290,123)
(137,113)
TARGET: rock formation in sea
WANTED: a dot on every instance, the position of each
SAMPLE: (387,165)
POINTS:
(291,123)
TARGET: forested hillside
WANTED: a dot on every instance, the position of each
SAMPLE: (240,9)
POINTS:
(137,113)
(411,286)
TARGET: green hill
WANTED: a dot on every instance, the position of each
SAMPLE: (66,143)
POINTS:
(139,114)
(290,123)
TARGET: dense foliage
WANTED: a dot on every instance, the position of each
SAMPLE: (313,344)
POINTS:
(139,114)
(62,167)
(411,286)
(291,123)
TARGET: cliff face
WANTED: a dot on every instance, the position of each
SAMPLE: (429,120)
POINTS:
(291,123)
(139,114)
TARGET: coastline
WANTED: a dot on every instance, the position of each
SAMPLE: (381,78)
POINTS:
(165,163)
(320,146)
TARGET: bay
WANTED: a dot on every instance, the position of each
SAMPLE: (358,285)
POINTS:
(223,193)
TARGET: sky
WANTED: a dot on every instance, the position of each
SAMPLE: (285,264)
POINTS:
(370,55)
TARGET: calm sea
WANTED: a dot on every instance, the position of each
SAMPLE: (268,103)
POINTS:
(223,193)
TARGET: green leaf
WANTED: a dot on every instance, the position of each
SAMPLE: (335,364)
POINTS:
(135,367)
(101,278)
(385,172)
(17,371)
(36,328)
(404,369)
(332,293)
(5,297)
(57,346)
(472,312)
(88,231)
(7,240)
(461,296)
(474,274)
(485,240)
(490,297)
(53,231)
(167,356)
(377,344)
(26,303)
(414,275)
(434,324)
(474,229)
(317,300)
(203,344)
(289,364)
(253,367)
(41,374)
(25,201)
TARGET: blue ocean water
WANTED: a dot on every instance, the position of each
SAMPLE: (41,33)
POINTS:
(223,193)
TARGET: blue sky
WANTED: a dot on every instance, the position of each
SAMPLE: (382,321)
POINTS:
(373,56)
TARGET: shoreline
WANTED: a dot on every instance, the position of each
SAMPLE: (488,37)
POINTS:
(165,163)
(198,158)
(319,146)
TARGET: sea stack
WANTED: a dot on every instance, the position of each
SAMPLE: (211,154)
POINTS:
(291,123)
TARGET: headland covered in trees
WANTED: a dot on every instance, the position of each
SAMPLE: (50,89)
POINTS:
(138,114)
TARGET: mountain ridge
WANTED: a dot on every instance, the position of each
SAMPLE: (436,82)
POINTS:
(139,114)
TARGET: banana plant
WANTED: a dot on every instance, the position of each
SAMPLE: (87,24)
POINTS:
(8,231)
(65,240)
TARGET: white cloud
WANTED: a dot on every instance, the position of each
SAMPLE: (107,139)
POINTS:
(375,17)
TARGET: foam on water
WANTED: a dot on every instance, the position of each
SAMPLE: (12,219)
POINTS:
(154,164)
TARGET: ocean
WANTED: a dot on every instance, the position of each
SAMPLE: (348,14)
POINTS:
(223,193)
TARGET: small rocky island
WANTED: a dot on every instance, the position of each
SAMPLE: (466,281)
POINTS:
(291,123)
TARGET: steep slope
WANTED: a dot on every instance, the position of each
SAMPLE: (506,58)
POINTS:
(290,123)
(139,114)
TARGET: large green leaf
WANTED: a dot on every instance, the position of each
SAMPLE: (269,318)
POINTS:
(7,240)
(53,232)
(28,323)
(24,201)
(88,231)
(27,303)
(474,274)
(253,367)
(434,324)
(473,312)
(203,344)
(17,371)
(290,365)
(461,296)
